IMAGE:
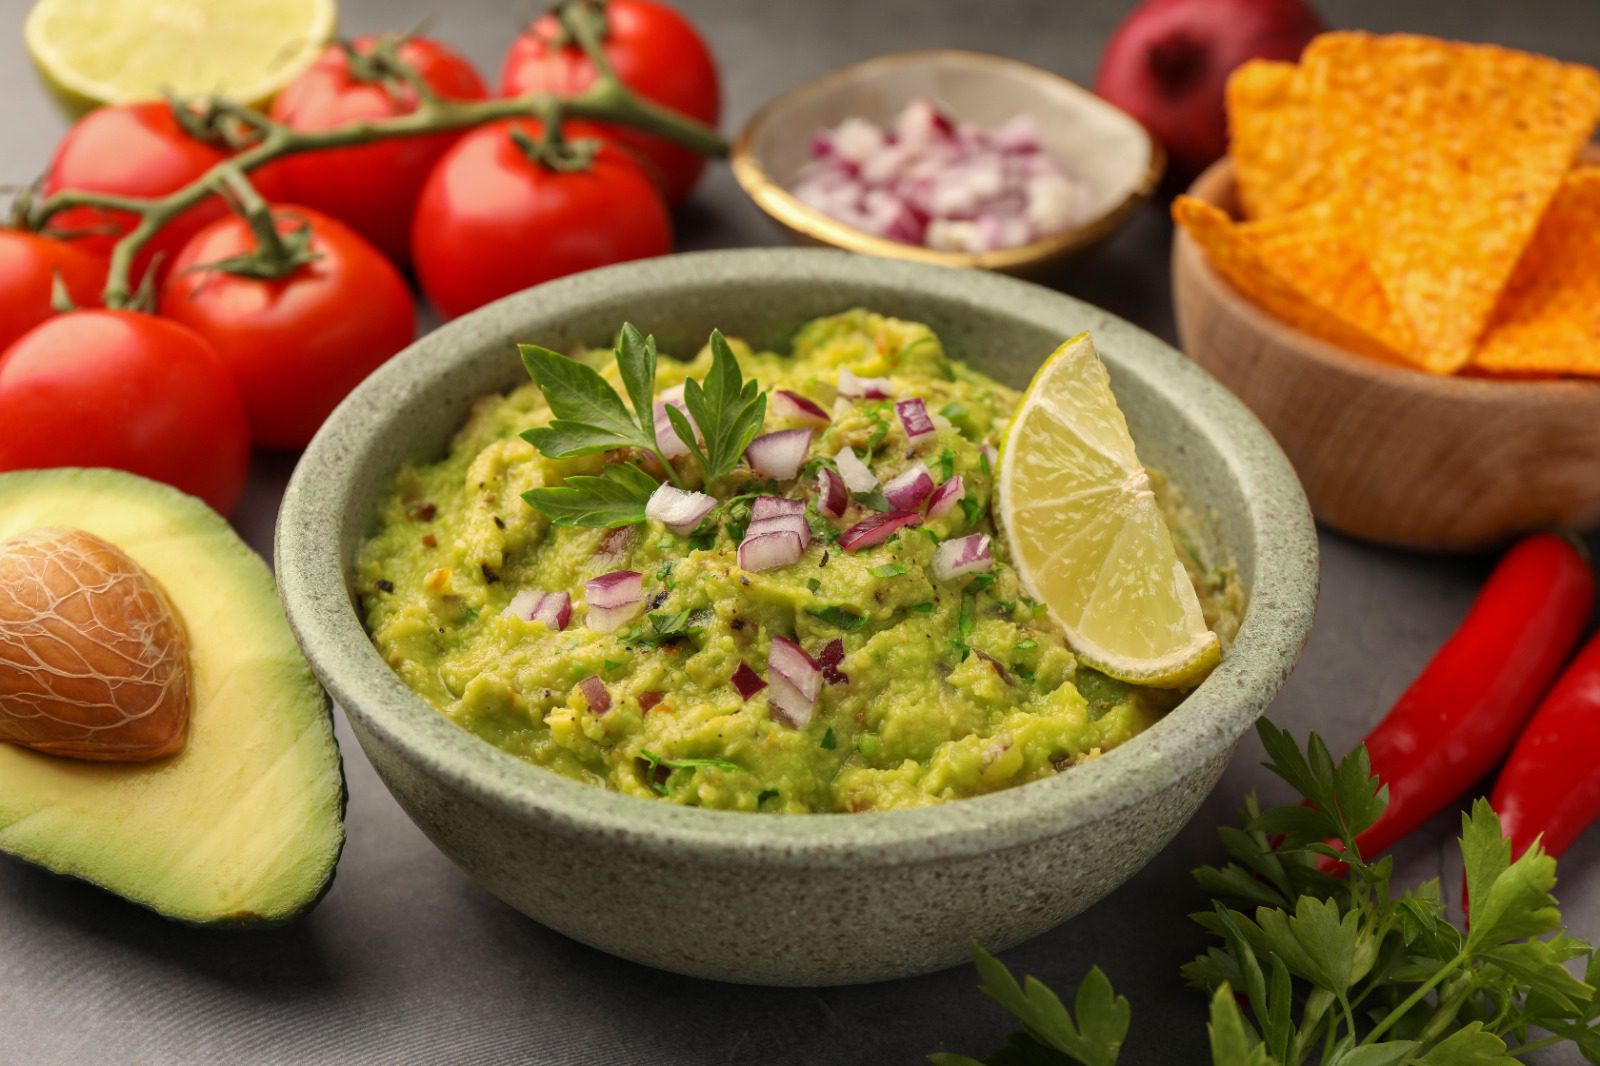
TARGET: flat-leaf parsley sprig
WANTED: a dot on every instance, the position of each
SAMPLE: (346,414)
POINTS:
(1345,971)
(591,417)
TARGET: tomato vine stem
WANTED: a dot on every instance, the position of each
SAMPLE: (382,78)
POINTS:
(606,100)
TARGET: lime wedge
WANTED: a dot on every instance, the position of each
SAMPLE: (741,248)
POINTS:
(1085,532)
(111,51)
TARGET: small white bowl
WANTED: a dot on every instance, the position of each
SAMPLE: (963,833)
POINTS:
(1101,144)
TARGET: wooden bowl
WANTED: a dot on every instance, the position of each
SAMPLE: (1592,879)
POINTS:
(1103,145)
(1387,453)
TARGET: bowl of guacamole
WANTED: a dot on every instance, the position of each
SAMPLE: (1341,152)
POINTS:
(751,718)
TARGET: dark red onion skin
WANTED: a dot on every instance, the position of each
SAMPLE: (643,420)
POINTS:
(830,658)
(1167,65)
(875,530)
(746,681)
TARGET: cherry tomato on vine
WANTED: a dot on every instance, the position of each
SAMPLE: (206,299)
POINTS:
(654,51)
(296,344)
(493,220)
(138,150)
(28,266)
(372,188)
(124,390)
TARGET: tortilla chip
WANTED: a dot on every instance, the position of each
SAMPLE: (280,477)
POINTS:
(1277,162)
(1451,153)
(1548,321)
(1302,270)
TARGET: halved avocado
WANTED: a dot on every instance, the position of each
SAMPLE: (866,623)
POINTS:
(245,824)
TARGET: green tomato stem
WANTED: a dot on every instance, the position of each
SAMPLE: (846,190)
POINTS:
(607,99)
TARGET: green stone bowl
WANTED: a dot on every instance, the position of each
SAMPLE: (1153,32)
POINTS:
(820,899)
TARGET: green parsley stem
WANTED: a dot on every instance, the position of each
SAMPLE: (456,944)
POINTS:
(1535,1045)
(1415,997)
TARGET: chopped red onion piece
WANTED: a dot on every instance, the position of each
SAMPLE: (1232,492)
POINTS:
(614,542)
(832,655)
(864,388)
(964,555)
(992,456)
(780,523)
(907,489)
(914,418)
(555,611)
(855,473)
(945,497)
(746,681)
(779,455)
(679,509)
(768,551)
(772,506)
(613,599)
(594,691)
(832,498)
(524,605)
(874,530)
(786,404)
(796,680)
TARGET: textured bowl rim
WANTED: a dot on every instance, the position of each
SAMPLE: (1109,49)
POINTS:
(799,216)
(1204,728)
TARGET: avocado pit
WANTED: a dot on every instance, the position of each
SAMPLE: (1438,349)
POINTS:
(94,661)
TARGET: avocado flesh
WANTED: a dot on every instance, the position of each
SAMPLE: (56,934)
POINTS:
(245,825)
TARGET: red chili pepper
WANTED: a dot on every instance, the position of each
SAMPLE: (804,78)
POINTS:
(1551,783)
(1459,717)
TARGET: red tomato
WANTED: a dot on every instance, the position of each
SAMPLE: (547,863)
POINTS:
(374,187)
(296,344)
(125,390)
(28,265)
(492,221)
(655,52)
(136,150)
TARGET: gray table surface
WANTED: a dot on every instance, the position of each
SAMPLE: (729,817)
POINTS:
(405,961)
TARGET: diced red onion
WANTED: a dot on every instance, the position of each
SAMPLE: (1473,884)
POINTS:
(779,455)
(768,551)
(780,523)
(914,418)
(933,182)
(992,456)
(594,691)
(678,509)
(554,609)
(796,680)
(746,681)
(524,605)
(772,506)
(613,599)
(874,530)
(786,404)
(855,473)
(945,497)
(864,388)
(907,489)
(832,498)
(962,556)
(832,655)
(614,542)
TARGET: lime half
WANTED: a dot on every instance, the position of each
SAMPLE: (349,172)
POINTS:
(1086,534)
(111,51)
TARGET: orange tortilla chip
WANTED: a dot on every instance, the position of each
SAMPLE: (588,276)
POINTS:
(1548,321)
(1277,163)
(1301,269)
(1451,153)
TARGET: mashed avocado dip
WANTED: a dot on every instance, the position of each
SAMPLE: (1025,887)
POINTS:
(931,689)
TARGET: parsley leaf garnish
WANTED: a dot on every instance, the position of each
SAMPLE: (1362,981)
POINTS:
(727,409)
(888,570)
(837,616)
(589,415)
(655,761)
(830,740)
(615,498)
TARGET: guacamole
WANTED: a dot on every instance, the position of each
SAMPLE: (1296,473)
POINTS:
(931,690)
